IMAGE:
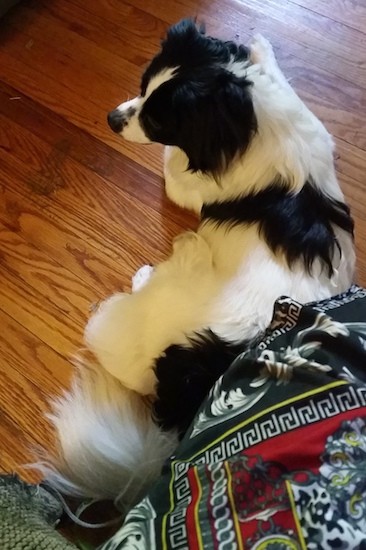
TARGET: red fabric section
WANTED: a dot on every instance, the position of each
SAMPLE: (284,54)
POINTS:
(192,527)
(301,449)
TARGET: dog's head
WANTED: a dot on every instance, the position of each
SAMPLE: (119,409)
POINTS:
(194,95)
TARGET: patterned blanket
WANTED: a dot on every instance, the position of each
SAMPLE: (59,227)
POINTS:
(276,457)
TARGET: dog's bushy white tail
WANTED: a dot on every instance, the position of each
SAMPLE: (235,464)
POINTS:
(108,445)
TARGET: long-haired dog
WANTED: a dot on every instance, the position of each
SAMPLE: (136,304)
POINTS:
(245,153)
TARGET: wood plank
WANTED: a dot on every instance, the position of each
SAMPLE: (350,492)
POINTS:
(29,34)
(85,238)
(127,175)
(67,167)
(32,358)
(126,31)
(17,389)
(351,161)
(73,106)
(30,372)
(15,450)
(35,312)
(52,173)
(23,261)
(75,72)
(63,240)
(349,12)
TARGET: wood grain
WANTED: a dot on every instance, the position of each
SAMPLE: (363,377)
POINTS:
(350,12)
(80,209)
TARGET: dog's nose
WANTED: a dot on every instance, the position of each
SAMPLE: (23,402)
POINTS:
(116,120)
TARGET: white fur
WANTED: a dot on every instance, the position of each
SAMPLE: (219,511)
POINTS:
(159,79)
(226,280)
(132,130)
(141,277)
(108,445)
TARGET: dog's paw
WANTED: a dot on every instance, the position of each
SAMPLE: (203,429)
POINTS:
(261,51)
(141,277)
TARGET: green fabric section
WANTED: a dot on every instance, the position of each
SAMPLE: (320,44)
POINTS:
(28,515)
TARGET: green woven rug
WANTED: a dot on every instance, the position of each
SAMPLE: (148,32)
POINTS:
(28,516)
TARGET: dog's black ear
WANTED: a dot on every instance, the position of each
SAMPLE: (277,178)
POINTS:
(221,123)
(185,28)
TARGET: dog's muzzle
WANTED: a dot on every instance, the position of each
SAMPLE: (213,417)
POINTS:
(116,121)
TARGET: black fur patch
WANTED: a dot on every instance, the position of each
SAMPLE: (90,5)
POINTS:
(187,46)
(298,224)
(185,376)
(204,109)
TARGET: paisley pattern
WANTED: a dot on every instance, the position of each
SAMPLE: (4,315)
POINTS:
(332,510)
(224,405)
(276,457)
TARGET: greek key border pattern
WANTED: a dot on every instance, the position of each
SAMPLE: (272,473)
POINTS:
(278,423)
(177,530)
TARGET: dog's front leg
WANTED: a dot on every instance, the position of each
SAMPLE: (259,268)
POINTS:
(261,53)
(141,277)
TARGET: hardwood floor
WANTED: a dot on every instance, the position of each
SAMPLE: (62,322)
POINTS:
(80,209)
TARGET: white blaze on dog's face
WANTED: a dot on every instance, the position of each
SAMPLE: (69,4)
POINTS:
(125,119)
(194,95)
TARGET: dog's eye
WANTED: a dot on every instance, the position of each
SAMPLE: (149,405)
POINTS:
(154,124)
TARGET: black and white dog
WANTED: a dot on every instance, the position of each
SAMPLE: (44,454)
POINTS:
(245,153)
